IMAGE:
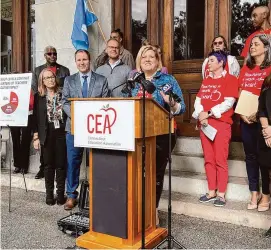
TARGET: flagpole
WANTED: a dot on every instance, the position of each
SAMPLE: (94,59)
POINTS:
(99,25)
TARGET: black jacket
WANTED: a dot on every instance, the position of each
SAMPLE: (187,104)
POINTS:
(40,118)
(61,73)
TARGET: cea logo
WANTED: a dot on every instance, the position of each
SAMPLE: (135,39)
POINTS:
(102,122)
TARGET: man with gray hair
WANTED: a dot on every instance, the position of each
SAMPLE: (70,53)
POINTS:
(114,69)
(61,72)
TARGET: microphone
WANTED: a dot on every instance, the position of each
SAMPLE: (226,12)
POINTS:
(140,78)
(111,91)
(167,89)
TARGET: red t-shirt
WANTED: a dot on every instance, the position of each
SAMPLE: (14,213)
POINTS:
(248,41)
(52,68)
(213,91)
(252,79)
(206,71)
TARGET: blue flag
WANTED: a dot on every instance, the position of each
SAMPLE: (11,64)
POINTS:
(82,19)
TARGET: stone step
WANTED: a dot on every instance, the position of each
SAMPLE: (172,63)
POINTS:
(17,181)
(233,212)
(196,164)
(191,146)
(196,184)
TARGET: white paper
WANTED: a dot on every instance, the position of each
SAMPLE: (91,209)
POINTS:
(209,131)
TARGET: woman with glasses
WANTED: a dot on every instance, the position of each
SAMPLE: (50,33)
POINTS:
(232,66)
(49,135)
(251,78)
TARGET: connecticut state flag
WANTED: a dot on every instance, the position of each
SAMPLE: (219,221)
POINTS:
(82,19)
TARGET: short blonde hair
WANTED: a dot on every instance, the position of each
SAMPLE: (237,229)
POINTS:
(143,50)
(41,86)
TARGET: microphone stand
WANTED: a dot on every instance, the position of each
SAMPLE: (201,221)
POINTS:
(172,243)
(143,174)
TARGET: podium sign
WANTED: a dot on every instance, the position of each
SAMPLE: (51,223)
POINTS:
(105,124)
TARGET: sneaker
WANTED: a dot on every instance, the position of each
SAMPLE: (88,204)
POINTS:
(220,202)
(206,198)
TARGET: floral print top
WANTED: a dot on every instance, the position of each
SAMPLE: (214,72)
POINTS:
(54,108)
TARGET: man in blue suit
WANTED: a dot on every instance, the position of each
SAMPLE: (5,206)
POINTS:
(83,84)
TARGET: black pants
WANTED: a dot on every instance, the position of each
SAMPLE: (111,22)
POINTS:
(162,143)
(55,160)
(21,139)
(266,179)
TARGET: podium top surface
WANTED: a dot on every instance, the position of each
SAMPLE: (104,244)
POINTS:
(119,99)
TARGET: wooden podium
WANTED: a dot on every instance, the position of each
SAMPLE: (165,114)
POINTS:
(115,186)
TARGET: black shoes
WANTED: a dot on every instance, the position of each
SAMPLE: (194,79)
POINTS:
(61,199)
(40,174)
(16,170)
(50,199)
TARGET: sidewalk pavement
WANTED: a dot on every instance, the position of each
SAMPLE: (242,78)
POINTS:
(32,224)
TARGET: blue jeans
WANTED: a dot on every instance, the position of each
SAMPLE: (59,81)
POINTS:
(249,133)
(74,157)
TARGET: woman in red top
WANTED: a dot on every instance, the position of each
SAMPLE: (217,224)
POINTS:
(214,106)
(251,79)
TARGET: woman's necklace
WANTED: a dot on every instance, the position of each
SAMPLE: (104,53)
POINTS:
(149,78)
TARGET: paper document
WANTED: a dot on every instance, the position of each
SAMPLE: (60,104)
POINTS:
(247,103)
(209,131)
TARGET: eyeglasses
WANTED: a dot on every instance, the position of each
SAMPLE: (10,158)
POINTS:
(112,47)
(51,54)
(218,43)
(48,78)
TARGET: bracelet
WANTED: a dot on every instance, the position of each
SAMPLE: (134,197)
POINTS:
(35,139)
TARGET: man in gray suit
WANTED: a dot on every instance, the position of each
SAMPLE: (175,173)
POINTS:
(83,84)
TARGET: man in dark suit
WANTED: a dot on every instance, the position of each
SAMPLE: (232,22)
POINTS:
(50,55)
(83,84)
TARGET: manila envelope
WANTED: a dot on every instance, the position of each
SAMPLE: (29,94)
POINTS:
(247,103)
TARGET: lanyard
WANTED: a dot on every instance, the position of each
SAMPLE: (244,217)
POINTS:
(54,101)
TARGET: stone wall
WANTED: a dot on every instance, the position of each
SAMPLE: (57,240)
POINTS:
(53,26)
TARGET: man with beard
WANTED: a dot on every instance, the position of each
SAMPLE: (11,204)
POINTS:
(260,20)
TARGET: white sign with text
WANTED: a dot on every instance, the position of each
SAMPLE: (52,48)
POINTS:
(14,99)
(105,124)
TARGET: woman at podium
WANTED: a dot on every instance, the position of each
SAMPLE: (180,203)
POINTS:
(149,63)
(49,135)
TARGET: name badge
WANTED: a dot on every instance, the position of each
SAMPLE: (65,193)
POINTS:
(56,124)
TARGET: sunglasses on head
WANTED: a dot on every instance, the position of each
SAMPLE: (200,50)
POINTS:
(218,43)
(51,54)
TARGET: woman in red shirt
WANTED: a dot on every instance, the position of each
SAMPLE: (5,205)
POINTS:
(251,79)
(214,106)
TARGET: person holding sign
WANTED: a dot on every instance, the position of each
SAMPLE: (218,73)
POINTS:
(83,84)
(214,109)
(49,135)
(251,79)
